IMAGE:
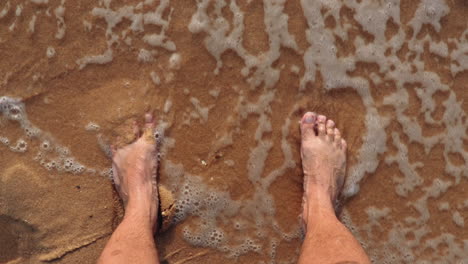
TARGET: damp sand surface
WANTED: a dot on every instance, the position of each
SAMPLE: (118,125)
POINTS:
(229,81)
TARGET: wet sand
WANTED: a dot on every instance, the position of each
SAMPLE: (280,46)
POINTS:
(65,218)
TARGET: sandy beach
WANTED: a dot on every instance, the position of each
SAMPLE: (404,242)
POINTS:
(228,82)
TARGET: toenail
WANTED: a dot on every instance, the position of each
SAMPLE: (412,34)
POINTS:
(309,119)
(148,118)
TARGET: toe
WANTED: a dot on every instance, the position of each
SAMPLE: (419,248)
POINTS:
(321,119)
(337,139)
(343,144)
(113,149)
(136,129)
(149,119)
(330,127)
(149,125)
(307,125)
(322,132)
(330,134)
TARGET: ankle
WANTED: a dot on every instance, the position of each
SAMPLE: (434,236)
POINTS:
(319,212)
(317,203)
(143,210)
(318,196)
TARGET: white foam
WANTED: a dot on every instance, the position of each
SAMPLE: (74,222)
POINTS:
(87,25)
(50,52)
(5,10)
(60,15)
(444,206)
(91,126)
(230,163)
(12,27)
(458,219)
(32,24)
(440,49)
(215,92)
(51,155)
(175,61)
(295,69)
(465,204)
(138,19)
(456,252)
(224,35)
(104,58)
(201,111)
(168,77)
(157,40)
(375,214)
(155,78)
(167,106)
(19,10)
(5,141)
(459,55)
(20,146)
(411,178)
(39,2)
(145,56)
(429,12)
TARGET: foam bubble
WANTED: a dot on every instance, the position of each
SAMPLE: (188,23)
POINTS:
(175,61)
(215,92)
(59,13)
(444,206)
(295,69)
(5,141)
(201,111)
(39,2)
(5,9)
(145,56)
(104,58)
(458,219)
(91,126)
(50,52)
(20,146)
(167,106)
(155,78)
(19,10)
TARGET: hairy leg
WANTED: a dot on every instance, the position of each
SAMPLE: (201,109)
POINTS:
(134,168)
(323,153)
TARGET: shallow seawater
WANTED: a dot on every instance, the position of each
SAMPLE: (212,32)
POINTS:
(228,82)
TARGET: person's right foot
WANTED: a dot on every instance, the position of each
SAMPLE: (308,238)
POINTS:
(323,153)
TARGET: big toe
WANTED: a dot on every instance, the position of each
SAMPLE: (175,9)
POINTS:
(308,124)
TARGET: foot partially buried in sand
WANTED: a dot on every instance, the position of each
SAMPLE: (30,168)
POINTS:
(134,172)
(323,153)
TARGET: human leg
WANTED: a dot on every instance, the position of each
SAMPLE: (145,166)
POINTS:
(323,153)
(134,168)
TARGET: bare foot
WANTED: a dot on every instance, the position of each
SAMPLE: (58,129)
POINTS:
(134,167)
(323,153)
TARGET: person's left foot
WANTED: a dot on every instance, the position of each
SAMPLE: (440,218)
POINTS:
(323,154)
(134,172)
